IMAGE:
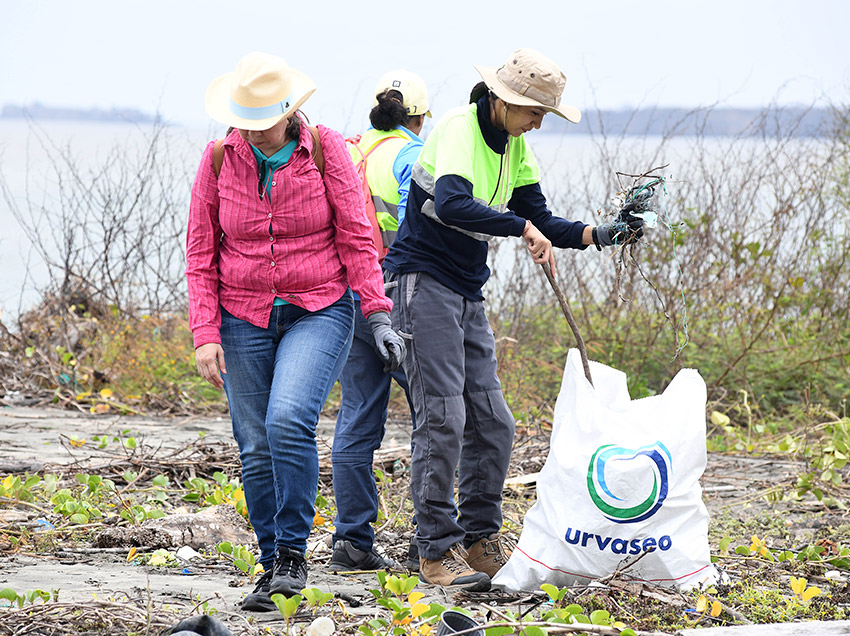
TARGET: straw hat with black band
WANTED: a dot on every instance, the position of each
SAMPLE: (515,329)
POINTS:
(261,91)
(529,78)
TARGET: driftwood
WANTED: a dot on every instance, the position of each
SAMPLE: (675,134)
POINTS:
(201,530)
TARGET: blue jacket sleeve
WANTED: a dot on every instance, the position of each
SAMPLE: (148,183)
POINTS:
(402,171)
(528,201)
(455,206)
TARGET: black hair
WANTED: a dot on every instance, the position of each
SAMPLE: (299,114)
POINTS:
(389,113)
(293,126)
(478,91)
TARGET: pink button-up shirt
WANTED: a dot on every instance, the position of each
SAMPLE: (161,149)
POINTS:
(306,242)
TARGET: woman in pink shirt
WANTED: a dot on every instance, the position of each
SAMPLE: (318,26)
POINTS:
(277,234)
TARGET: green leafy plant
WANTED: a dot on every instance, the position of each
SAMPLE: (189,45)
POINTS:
(222,491)
(241,557)
(287,606)
(408,615)
(30,596)
(19,489)
(162,558)
(315,598)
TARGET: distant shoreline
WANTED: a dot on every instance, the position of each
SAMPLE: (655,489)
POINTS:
(39,111)
(770,121)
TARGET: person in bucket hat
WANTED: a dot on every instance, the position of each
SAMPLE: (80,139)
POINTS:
(275,238)
(475,178)
(389,149)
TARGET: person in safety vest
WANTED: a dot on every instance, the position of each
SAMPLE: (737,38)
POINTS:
(475,178)
(389,148)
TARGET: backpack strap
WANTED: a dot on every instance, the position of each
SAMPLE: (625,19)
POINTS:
(355,142)
(318,156)
(218,156)
(378,143)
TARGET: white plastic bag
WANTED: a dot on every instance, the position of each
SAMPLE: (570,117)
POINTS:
(621,478)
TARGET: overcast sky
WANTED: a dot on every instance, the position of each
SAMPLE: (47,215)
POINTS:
(160,55)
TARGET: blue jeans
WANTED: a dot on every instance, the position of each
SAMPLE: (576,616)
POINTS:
(277,381)
(359,432)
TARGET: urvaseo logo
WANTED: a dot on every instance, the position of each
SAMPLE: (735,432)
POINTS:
(609,461)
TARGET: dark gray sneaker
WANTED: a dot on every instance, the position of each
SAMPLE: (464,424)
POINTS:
(259,600)
(347,558)
(289,574)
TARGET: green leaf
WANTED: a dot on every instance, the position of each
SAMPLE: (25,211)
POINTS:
(719,419)
(410,583)
(533,631)
(498,631)
(287,606)
(394,585)
(551,591)
(9,594)
(382,579)
(600,617)
(33,594)
(315,597)
(436,610)
(742,549)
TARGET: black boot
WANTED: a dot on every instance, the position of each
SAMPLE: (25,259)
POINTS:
(258,600)
(289,575)
(347,558)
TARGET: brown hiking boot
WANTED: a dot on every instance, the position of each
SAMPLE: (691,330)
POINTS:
(489,554)
(452,571)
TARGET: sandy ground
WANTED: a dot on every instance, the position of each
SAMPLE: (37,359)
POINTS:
(38,440)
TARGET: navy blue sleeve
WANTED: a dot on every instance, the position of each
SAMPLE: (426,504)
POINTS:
(528,201)
(455,206)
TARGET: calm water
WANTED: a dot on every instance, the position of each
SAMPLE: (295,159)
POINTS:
(571,172)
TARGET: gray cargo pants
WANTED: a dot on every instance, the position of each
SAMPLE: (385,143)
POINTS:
(463,423)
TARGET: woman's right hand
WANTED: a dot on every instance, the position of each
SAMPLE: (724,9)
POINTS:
(539,246)
(210,358)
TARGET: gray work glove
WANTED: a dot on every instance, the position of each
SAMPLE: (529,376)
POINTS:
(390,345)
(626,229)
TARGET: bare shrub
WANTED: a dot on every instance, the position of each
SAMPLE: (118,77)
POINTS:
(754,272)
(112,235)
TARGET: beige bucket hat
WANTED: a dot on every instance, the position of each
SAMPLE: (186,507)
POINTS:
(529,78)
(259,93)
(413,91)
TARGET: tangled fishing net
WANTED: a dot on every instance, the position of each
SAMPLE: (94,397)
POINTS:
(645,198)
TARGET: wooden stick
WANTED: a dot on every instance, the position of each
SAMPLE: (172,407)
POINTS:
(568,314)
